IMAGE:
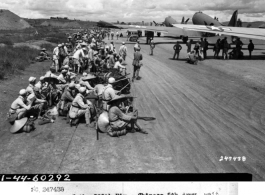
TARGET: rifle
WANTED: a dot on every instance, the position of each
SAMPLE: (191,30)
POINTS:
(146,118)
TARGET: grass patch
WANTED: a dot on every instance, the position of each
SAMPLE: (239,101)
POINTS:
(6,41)
(15,58)
(57,38)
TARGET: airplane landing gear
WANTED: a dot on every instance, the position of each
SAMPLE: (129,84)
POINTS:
(185,39)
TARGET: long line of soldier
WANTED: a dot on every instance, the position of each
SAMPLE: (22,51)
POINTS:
(74,96)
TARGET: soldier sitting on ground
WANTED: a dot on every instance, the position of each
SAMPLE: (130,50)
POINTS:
(19,108)
(192,59)
(119,121)
(119,67)
(109,93)
(84,81)
(37,105)
(41,84)
(43,55)
(81,107)
(66,100)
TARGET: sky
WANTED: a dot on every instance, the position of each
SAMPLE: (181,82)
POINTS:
(135,10)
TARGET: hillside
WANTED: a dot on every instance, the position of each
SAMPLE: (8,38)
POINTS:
(68,23)
(11,21)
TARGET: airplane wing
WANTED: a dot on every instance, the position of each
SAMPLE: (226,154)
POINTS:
(148,28)
(251,33)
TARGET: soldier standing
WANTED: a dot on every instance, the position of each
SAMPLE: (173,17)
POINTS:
(177,47)
(137,46)
(152,46)
(250,47)
(206,44)
(137,64)
(123,51)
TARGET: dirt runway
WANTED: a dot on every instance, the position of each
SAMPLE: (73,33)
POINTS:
(202,112)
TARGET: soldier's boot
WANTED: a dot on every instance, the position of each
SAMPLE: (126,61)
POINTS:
(74,122)
(88,119)
(40,110)
(67,118)
(132,126)
(140,130)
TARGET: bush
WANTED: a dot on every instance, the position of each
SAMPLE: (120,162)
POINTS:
(6,41)
(2,74)
(15,58)
(56,37)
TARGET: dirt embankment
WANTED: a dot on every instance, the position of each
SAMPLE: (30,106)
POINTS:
(11,21)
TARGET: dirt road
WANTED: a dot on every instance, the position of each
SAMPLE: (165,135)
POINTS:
(202,112)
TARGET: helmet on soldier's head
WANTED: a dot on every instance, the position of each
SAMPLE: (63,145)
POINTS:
(22,92)
(32,79)
(64,71)
(71,86)
(52,69)
(77,86)
(111,80)
(82,89)
(66,67)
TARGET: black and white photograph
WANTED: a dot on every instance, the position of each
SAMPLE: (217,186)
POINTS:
(129,86)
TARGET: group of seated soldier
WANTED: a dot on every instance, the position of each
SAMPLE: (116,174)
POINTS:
(63,91)
(86,52)
(76,96)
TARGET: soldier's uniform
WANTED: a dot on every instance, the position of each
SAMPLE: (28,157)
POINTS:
(80,106)
(18,107)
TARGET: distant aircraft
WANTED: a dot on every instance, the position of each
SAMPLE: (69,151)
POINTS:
(169,21)
(212,26)
(198,18)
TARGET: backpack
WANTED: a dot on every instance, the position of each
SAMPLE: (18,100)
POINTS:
(29,126)
(62,52)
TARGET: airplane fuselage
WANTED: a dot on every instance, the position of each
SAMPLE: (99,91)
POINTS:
(200,18)
(169,21)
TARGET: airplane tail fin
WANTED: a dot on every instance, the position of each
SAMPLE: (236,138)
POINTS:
(155,23)
(182,21)
(233,20)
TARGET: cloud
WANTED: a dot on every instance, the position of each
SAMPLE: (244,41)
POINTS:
(151,7)
(134,10)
